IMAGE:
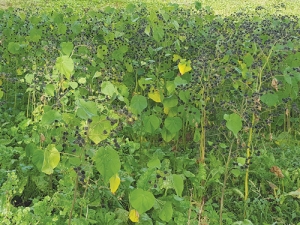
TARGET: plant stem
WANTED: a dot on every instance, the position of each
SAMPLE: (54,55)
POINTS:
(248,157)
(224,184)
(74,200)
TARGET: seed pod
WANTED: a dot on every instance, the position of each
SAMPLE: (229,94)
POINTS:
(277,171)
(42,138)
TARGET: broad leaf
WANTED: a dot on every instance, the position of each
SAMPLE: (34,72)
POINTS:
(138,104)
(166,212)
(107,162)
(134,216)
(234,123)
(99,129)
(167,135)
(114,183)
(154,94)
(141,200)
(67,47)
(151,123)
(86,109)
(184,66)
(108,88)
(65,66)
(50,116)
(178,184)
(269,99)
(51,159)
(173,124)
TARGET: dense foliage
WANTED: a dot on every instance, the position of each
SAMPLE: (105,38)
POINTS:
(174,116)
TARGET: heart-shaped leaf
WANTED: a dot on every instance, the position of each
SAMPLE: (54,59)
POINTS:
(107,162)
(51,159)
(141,200)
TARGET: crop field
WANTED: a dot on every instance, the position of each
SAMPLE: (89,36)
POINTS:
(153,112)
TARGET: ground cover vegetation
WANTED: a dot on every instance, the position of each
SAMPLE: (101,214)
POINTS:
(134,115)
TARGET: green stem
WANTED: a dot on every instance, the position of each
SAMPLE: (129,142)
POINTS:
(224,184)
(74,200)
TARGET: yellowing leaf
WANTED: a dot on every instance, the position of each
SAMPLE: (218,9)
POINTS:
(51,159)
(154,95)
(114,183)
(184,66)
(166,110)
(295,194)
(176,57)
(134,216)
(19,71)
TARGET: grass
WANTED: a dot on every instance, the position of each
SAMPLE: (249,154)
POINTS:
(221,7)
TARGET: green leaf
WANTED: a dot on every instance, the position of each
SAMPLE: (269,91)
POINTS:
(73,85)
(173,124)
(287,78)
(236,172)
(248,59)
(167,135)
(151,123)
(178,184)
(67,47)
(65,66)
(51,159)
(141,200)
(61,28)
(76,27)
(37,156)
(13,47)
(49,89)
(147,30)
(269,99)
(86,109)
(166,212)
(170,102)
(170,86)
(108,88)
(102,51)
(184,96)
(99,129)
(179,81)
(234,123)
(107,162)
(146,176)
(1,93)
(119,53)
(154,163)
(29,78)
(198,5)
(158,33)
(241,160)
(138,104)
(50,116)
(176,25)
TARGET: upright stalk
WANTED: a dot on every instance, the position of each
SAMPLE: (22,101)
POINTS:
(224,184)
(248,153)
(74,200)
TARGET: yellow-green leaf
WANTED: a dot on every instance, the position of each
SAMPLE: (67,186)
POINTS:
(51,159)
(114,183)
(184,66)
(154,94)
(295,194)
(134,216)
(176,57)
